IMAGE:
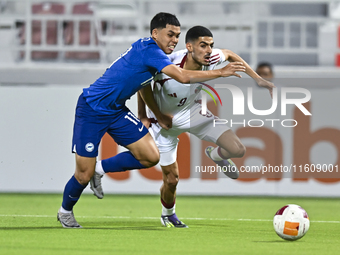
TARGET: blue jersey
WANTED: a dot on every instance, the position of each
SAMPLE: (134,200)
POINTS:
(129,73)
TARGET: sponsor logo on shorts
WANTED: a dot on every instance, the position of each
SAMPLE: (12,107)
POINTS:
(89,147)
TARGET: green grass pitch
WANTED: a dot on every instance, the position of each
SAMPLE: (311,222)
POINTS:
(122,224)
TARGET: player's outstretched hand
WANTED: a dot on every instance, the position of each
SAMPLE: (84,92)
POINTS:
(165,121)
(232,68)
(266,84)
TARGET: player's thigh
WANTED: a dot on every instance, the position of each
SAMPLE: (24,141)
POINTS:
(145,149)
(204,127)
(88,129)
(85,168)
(166,142)
(127,129)
(84,163)
(168,152)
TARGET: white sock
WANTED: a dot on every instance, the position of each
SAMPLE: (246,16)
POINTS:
(166,211)
(99,168)
(62,210)
(214,154)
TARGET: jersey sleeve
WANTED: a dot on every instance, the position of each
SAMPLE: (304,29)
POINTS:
(155,58)
(177,55)
(217,57)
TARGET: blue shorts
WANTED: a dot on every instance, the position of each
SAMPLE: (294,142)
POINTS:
(90,126)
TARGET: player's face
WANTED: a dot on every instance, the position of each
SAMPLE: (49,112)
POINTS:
(202,49)
(167,38)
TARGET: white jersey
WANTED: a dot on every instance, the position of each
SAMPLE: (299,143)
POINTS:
(179,100)
(174,98)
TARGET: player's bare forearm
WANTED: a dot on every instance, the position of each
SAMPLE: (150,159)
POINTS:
(146,95)
(142,111)
(141,106)
(149,100)
(233,57)
(190,76)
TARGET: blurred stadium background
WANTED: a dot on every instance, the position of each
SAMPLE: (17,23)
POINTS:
(50,50)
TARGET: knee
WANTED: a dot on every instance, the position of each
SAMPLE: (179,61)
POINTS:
(151,160)
(84,169)
(172,181)
(84,175)
(148,157)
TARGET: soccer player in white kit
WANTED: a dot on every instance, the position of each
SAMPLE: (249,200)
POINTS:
(182,102)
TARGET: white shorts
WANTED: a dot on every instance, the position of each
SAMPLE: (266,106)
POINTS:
(191,121)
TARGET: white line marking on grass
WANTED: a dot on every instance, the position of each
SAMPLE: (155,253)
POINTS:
(153,218)
(34,216)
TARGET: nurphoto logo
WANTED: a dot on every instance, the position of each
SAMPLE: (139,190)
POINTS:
(238,105)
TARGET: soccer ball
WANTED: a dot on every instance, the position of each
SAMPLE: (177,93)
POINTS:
(291,222)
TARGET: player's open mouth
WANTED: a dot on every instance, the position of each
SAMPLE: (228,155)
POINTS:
(207,58)
(172,47)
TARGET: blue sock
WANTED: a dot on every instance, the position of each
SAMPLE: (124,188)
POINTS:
(72,192)
(121,162)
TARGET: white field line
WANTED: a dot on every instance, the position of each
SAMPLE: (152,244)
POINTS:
(152,218)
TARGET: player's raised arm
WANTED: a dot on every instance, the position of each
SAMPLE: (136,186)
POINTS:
(191,76)
(233,58)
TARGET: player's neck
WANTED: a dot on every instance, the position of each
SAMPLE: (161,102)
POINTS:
(191,64)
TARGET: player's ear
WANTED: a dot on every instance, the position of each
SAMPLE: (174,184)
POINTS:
(154,33)
(189,46)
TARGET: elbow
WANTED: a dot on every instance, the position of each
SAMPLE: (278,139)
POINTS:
(184,79)
(181,75)
(230,55)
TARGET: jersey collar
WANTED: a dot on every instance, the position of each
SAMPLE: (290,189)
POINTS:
(181,65)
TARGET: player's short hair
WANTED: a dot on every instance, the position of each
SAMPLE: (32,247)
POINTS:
(195,32)
(265,64)
(162,19)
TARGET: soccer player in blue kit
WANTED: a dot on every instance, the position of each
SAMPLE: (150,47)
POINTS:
(101,108)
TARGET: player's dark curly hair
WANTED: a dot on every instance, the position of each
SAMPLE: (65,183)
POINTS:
(195,32)
(265,64)
(162,19)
